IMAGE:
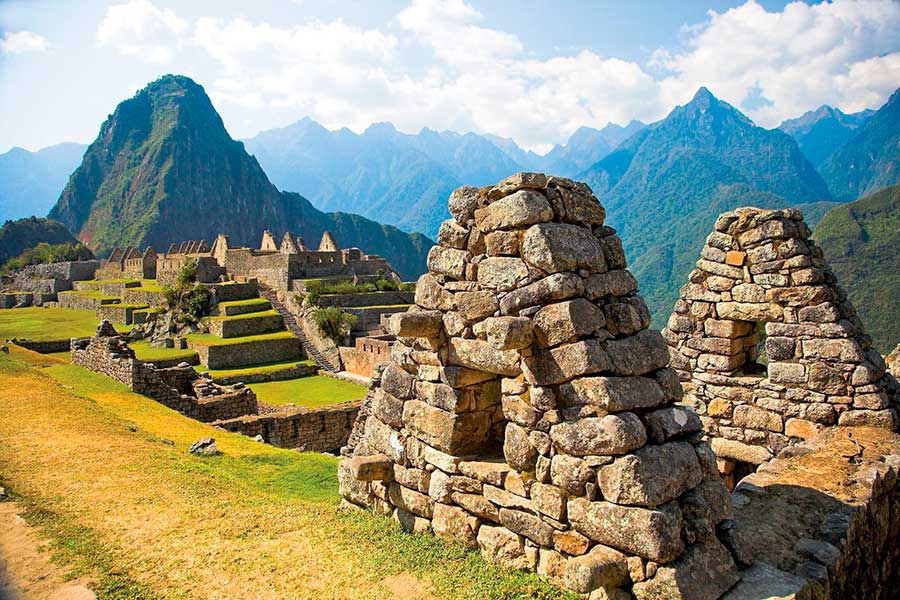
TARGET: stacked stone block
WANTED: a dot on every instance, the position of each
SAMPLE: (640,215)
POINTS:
(760,272)
(529,412)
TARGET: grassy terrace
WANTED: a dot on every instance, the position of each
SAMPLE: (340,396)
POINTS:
(92,294)
(253,315)
(129,508)
(271,367)
(144,351)
(248,302)
(207,339)
(44,324)
(311,392)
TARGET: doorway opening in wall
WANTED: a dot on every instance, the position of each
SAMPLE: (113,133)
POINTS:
(755,361)
(733,471)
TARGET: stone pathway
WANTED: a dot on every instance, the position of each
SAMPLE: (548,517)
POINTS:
(290,321)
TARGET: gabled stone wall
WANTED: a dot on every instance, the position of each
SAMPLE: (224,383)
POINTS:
(760,274)
(529,412)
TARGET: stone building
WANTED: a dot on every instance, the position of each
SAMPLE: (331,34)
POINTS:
(529,412)
(128,264)
(768,347)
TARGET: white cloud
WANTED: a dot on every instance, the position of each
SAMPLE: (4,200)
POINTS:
(138,28)
(440,65)
(20,42)
(844,53)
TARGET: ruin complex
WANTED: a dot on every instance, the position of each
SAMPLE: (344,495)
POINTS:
(767,345)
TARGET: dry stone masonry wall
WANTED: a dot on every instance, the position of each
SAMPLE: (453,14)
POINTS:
(529,412)
(762,286)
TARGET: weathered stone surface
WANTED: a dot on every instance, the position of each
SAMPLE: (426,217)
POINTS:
(765,581)
(570,473)
(452,523)
(503,243)
(502,546)
(478,505)
(410,500)
(519,181)
(493,472)
(376,467)
(570,542)
(567,321)
(549,500)
(705,572)
(517,448)
(651,476)
(458,434)
(397,382)
(638,354)
(447,261)
(384,439)
(752,417)
(387,409)
(651,534)
(506,333)
(613,394)
(618,282)
(601,567)
(667,423)
(417,324)
(481,356)
(738,451)
(502,273)
(431,295)
(550,367)
(463,203)
(609,435)
(528,525)
(555,247)
(474,306)
(558,286)
(452,235)
(522,208)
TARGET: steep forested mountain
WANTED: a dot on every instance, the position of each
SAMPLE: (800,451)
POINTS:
(163,169)
(664,186)
(18,236)
(870,160)
(820,132)
(861,241)
(30,182)
(587,146)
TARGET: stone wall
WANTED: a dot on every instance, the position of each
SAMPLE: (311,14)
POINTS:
(236,290)
(759,271)
(78,301)
(529,412)
(366,354)
(295,372)
(815,525)
(44,347)
(253,324)
(367,299)
(180,388)
(143,296)
(369,318)
(247,353)
(323,429)
(118,313)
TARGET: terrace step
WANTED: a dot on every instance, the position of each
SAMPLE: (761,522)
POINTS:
(242,307)
(290,322)
(219,353)
(246,324)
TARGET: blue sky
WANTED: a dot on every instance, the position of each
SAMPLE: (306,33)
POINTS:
(530,70)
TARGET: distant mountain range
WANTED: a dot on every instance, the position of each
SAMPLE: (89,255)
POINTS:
(30,182)
(405,179)
(820,132)
(664,187)
(164,169)
(861,241)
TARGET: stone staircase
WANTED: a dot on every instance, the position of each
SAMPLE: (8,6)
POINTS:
(290,321)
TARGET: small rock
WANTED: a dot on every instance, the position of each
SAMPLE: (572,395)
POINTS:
(205,447)
(258,438)
(4,349)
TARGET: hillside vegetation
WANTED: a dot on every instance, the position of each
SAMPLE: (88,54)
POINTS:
(861,241)
(18,236)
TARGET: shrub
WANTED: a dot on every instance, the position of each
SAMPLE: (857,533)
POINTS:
(188,300)
(334,323)
(386,285)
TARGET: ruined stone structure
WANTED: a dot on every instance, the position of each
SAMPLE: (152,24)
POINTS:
(129,264)
(36,284)
(195,395)
(180,388)
(760,275)
(529,412)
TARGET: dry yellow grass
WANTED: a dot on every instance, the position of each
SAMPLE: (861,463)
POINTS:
(108,474)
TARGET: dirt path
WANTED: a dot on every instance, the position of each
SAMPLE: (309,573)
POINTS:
(26,572)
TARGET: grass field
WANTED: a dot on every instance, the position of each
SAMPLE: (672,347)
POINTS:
(144,351)
(42,324)
(127,506)
(311,392)
(260,368)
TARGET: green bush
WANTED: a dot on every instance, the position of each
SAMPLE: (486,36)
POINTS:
(45,253)
(386,285)
(188,300)
(334,323)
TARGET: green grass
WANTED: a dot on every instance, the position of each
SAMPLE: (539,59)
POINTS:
(207,339)
(144,351)
(311,392)
(264,313)
(42,324)
(270,367)
(126,505)
(247,302)
(150,288)
(91,294)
